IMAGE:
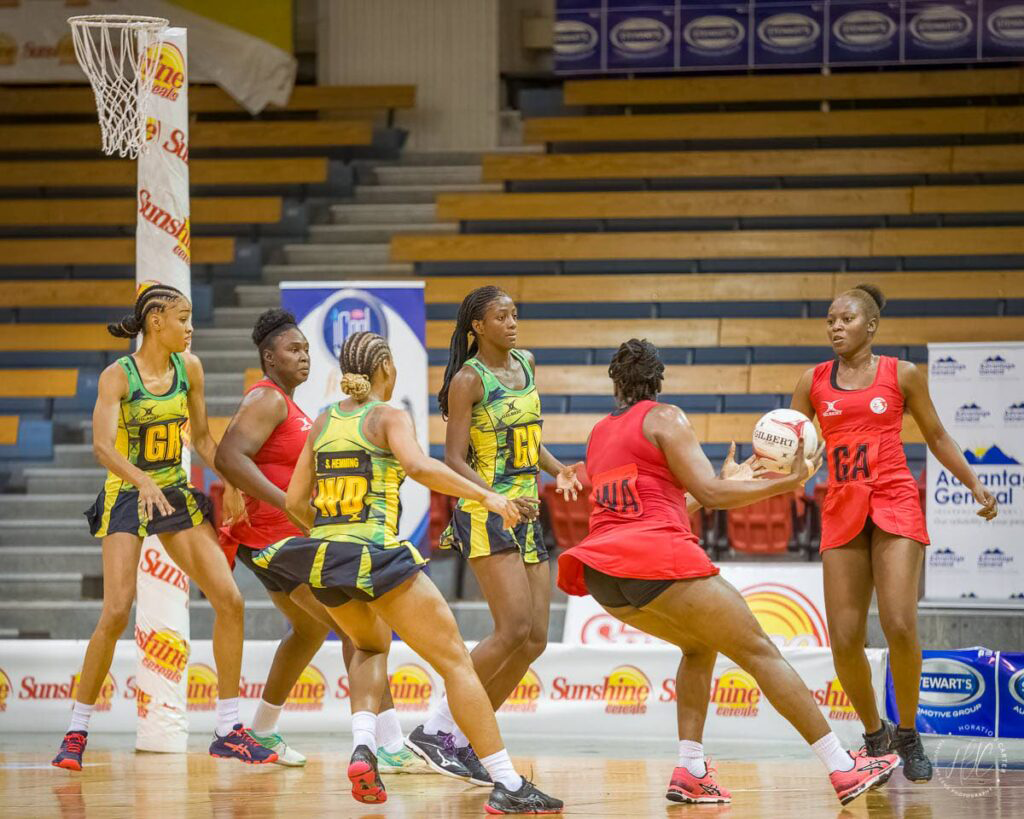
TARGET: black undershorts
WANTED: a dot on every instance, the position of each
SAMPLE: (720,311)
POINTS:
(617,592)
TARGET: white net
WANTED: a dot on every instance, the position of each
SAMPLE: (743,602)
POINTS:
(120,55)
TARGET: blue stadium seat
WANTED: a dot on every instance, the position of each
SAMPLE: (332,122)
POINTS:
(35,441)
(753,403)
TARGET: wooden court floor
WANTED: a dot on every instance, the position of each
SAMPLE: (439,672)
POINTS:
(595,778)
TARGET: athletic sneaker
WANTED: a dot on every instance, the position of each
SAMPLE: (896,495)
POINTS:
(866,772)
(72,747)
(916,765)
(685,787)
(525,800)
(362,773)
(286,755)
(241,745)
(880,742)
(477,772)
(403,761)
(438,751)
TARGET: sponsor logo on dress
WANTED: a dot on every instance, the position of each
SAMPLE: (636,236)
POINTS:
(789,33)
(525,695)
(735,694)
(878,405)
(5,689)
(624,691)
(202,688)
(411,688)
(941,27)
(640,37)
(946,367)
(995,365)
(33,688)
(714,34)
(574,39)
(831,409)
(865,30)
(1006,25)
(971,413)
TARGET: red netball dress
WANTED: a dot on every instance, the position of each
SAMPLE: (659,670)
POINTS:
(868,474)
(638,523)
(276,460)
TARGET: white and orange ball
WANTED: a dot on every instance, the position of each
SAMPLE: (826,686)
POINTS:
(776,436)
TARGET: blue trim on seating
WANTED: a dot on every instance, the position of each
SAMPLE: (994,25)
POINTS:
(35,441)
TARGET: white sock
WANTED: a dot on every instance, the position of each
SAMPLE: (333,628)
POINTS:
(80,714)
(227,716)
(499,766)
(265,721)
(389,731)
(364,730)
(832,755)
(440,719)
(461,740)
(691,757)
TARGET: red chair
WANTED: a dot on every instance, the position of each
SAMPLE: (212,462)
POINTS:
(441,507)
(765,527)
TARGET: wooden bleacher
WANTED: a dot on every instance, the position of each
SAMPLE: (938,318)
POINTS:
(66,292)
(697,164)
(872,85)
(38,383)
(85,137)
(709,244)
(124,211)
(211,99)
(738,332)
(709,287)
(730,203)
(122,173)
(27,336)
(29,252)
(775,124)
(8,430)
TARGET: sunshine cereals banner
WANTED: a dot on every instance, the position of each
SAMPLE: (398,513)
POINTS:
(978,390)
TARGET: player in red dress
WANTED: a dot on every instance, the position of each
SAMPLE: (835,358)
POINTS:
(259,451)
(873,528)
(642,563)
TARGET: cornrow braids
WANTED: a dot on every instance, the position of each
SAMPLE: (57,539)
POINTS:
(361,355)
(637,371)
(473,308)
(150,296)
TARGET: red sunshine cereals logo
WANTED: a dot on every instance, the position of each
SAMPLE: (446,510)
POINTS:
(411,688)
(625,690)
(33,689)
(735,694)
(5,689)
(168,71)
(165,652)
(154,566)
(308,692)
(202,688)
(525,695)
(142,703)
(836,700)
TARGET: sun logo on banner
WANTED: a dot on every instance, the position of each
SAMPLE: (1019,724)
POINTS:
(525,695)
(169,71)
(788,616)
(735,694)
(411,688)
(308,692)
(202,688)
(626,691)
(108,691)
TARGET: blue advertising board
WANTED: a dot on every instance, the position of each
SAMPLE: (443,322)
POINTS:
(940,30)
(714,36)
(1002,28)
(958,693)
(641,38)
(578,39)
(789,34)
(1011,694)
(861,32)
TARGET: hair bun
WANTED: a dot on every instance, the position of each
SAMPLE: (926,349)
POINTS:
(269,321)
(875,292)
(355,384)
(128,327)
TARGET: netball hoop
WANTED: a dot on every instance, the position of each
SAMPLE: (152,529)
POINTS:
(119,55)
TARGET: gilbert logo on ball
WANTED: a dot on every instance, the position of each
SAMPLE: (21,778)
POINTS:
(776,436)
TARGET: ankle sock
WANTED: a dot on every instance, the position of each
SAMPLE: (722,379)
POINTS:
(691,757)
(80,715)
(389,731)
(499,766)
(832,754)
(227,716)
(364,730)
(265,721)
(440,719)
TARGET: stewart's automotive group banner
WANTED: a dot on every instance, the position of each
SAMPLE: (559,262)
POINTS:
(634,36)
(328,313)
(978,391)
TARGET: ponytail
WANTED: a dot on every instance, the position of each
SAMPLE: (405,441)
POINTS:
(150,296)
(460,350)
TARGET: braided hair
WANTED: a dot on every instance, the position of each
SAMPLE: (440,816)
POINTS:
(637,371)
(870,297)
(361,355)
(150,296)
(460,350)
(270,324)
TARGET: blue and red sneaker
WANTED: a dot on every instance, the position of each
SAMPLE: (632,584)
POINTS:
(241,745)
(69,756)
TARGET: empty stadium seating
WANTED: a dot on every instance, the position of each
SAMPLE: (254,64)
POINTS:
(95,211)
(85,252)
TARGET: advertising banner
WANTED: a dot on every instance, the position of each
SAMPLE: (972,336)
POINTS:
(788,601)
(978,391)
(862,32)
(940,30)
(596,690)
(328,313)
(714,36)
(162,252)
(579,37)
(958,693)
(789,34)
(1002,29)
(641,37)
(1010,683)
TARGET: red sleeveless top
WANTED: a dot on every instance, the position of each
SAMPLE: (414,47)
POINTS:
(276,459)
(638,522)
